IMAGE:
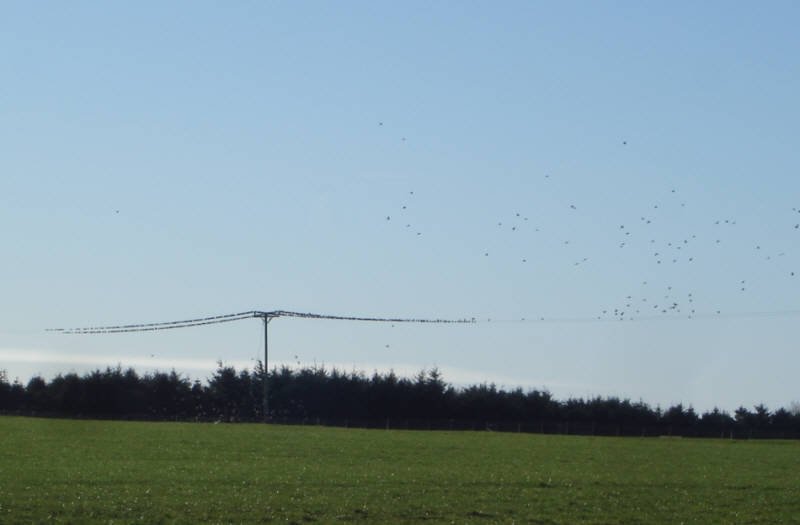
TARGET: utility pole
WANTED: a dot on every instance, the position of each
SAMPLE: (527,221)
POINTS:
(266,317)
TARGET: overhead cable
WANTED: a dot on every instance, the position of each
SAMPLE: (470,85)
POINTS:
(226,318)
(150,327)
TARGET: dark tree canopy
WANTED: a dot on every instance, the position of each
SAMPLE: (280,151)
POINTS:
(333,396)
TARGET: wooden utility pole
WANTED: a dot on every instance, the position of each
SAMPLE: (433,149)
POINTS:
(266,317)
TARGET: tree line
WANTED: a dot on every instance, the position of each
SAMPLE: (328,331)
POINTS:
(322,396)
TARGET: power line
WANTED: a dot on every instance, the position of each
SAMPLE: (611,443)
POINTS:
(149,327)
(669,317)
(283,313)
(226,318)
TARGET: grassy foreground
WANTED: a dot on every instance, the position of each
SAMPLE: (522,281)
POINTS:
(63,471)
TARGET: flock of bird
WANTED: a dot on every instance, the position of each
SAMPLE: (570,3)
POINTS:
(403,208)
(655,295)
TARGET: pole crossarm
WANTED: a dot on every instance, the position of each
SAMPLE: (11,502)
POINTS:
(227,318)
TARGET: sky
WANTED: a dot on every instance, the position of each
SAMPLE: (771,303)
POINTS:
(610,189)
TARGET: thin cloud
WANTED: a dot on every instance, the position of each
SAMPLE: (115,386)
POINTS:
(52,359)
(31,361)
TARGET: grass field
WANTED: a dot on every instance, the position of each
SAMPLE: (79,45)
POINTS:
(64,471)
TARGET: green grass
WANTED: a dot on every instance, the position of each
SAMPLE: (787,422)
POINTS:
(64,471)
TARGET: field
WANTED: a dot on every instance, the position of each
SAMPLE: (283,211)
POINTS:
(68,471)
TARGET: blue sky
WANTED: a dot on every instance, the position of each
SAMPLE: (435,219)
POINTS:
(163,162)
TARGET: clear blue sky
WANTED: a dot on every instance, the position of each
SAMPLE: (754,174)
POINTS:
(162,161)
